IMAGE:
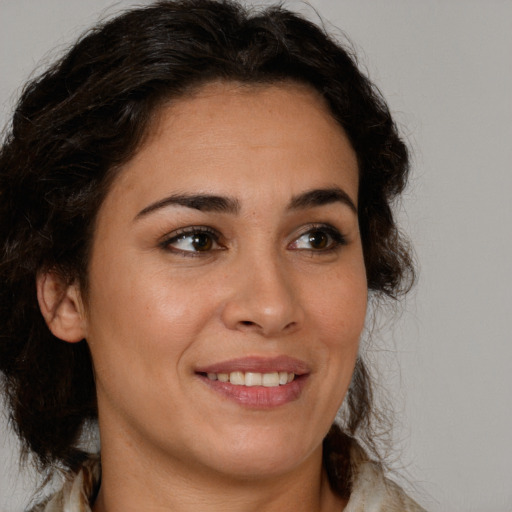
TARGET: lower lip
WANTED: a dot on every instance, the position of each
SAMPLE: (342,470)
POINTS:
(258,397)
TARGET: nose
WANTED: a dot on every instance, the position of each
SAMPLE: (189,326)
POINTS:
(263,299)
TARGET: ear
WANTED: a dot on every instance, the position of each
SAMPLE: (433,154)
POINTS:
(61,306)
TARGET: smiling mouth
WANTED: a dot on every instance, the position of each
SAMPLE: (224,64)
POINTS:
(250,379)
(257,382)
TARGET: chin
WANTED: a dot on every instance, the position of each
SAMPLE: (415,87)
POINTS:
(262,456)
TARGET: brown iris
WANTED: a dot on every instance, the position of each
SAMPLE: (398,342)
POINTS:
(318,239)
(202,242)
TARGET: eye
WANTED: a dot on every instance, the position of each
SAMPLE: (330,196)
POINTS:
(192,240)
(318,239)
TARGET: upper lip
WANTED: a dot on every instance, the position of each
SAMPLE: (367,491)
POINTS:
(258,364)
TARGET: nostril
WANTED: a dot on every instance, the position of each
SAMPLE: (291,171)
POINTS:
(290,326)
(247,323)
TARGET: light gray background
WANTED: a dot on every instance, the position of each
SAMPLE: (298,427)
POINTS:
(445,67)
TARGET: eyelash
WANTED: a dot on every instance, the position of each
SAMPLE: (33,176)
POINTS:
(335,239)
(189,232)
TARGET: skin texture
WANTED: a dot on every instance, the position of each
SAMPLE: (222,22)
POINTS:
(157,310)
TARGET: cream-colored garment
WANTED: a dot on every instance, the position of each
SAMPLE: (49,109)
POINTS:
(77,491)
(371,492)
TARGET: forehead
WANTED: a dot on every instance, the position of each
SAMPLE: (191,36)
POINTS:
(245,137)
(224,105)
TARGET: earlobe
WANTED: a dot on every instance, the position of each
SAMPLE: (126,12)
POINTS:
(61,306)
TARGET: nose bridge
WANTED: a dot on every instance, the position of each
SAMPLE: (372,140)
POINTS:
(263,296)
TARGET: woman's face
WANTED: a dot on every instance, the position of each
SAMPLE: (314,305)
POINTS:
(227,284)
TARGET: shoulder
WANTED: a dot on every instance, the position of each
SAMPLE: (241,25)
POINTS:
(372,491)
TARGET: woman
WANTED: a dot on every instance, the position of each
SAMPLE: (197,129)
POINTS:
(195,206)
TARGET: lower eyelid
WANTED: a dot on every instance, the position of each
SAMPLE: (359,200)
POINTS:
(167,241)
(337,237)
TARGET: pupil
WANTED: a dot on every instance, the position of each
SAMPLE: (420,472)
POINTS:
(318,240)
(202,242)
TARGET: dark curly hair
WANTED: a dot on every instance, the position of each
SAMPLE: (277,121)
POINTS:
(77,123)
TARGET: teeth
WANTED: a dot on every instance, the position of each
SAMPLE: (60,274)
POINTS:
(268,380)
(253,379)
(237,378)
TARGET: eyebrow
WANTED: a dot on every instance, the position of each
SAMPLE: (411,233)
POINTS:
(224,204)
(320,197)
(201,202)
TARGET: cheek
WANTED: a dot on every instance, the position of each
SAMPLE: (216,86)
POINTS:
(140,332)
(142,318)
(340,303)
(143,308)
(340,311)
